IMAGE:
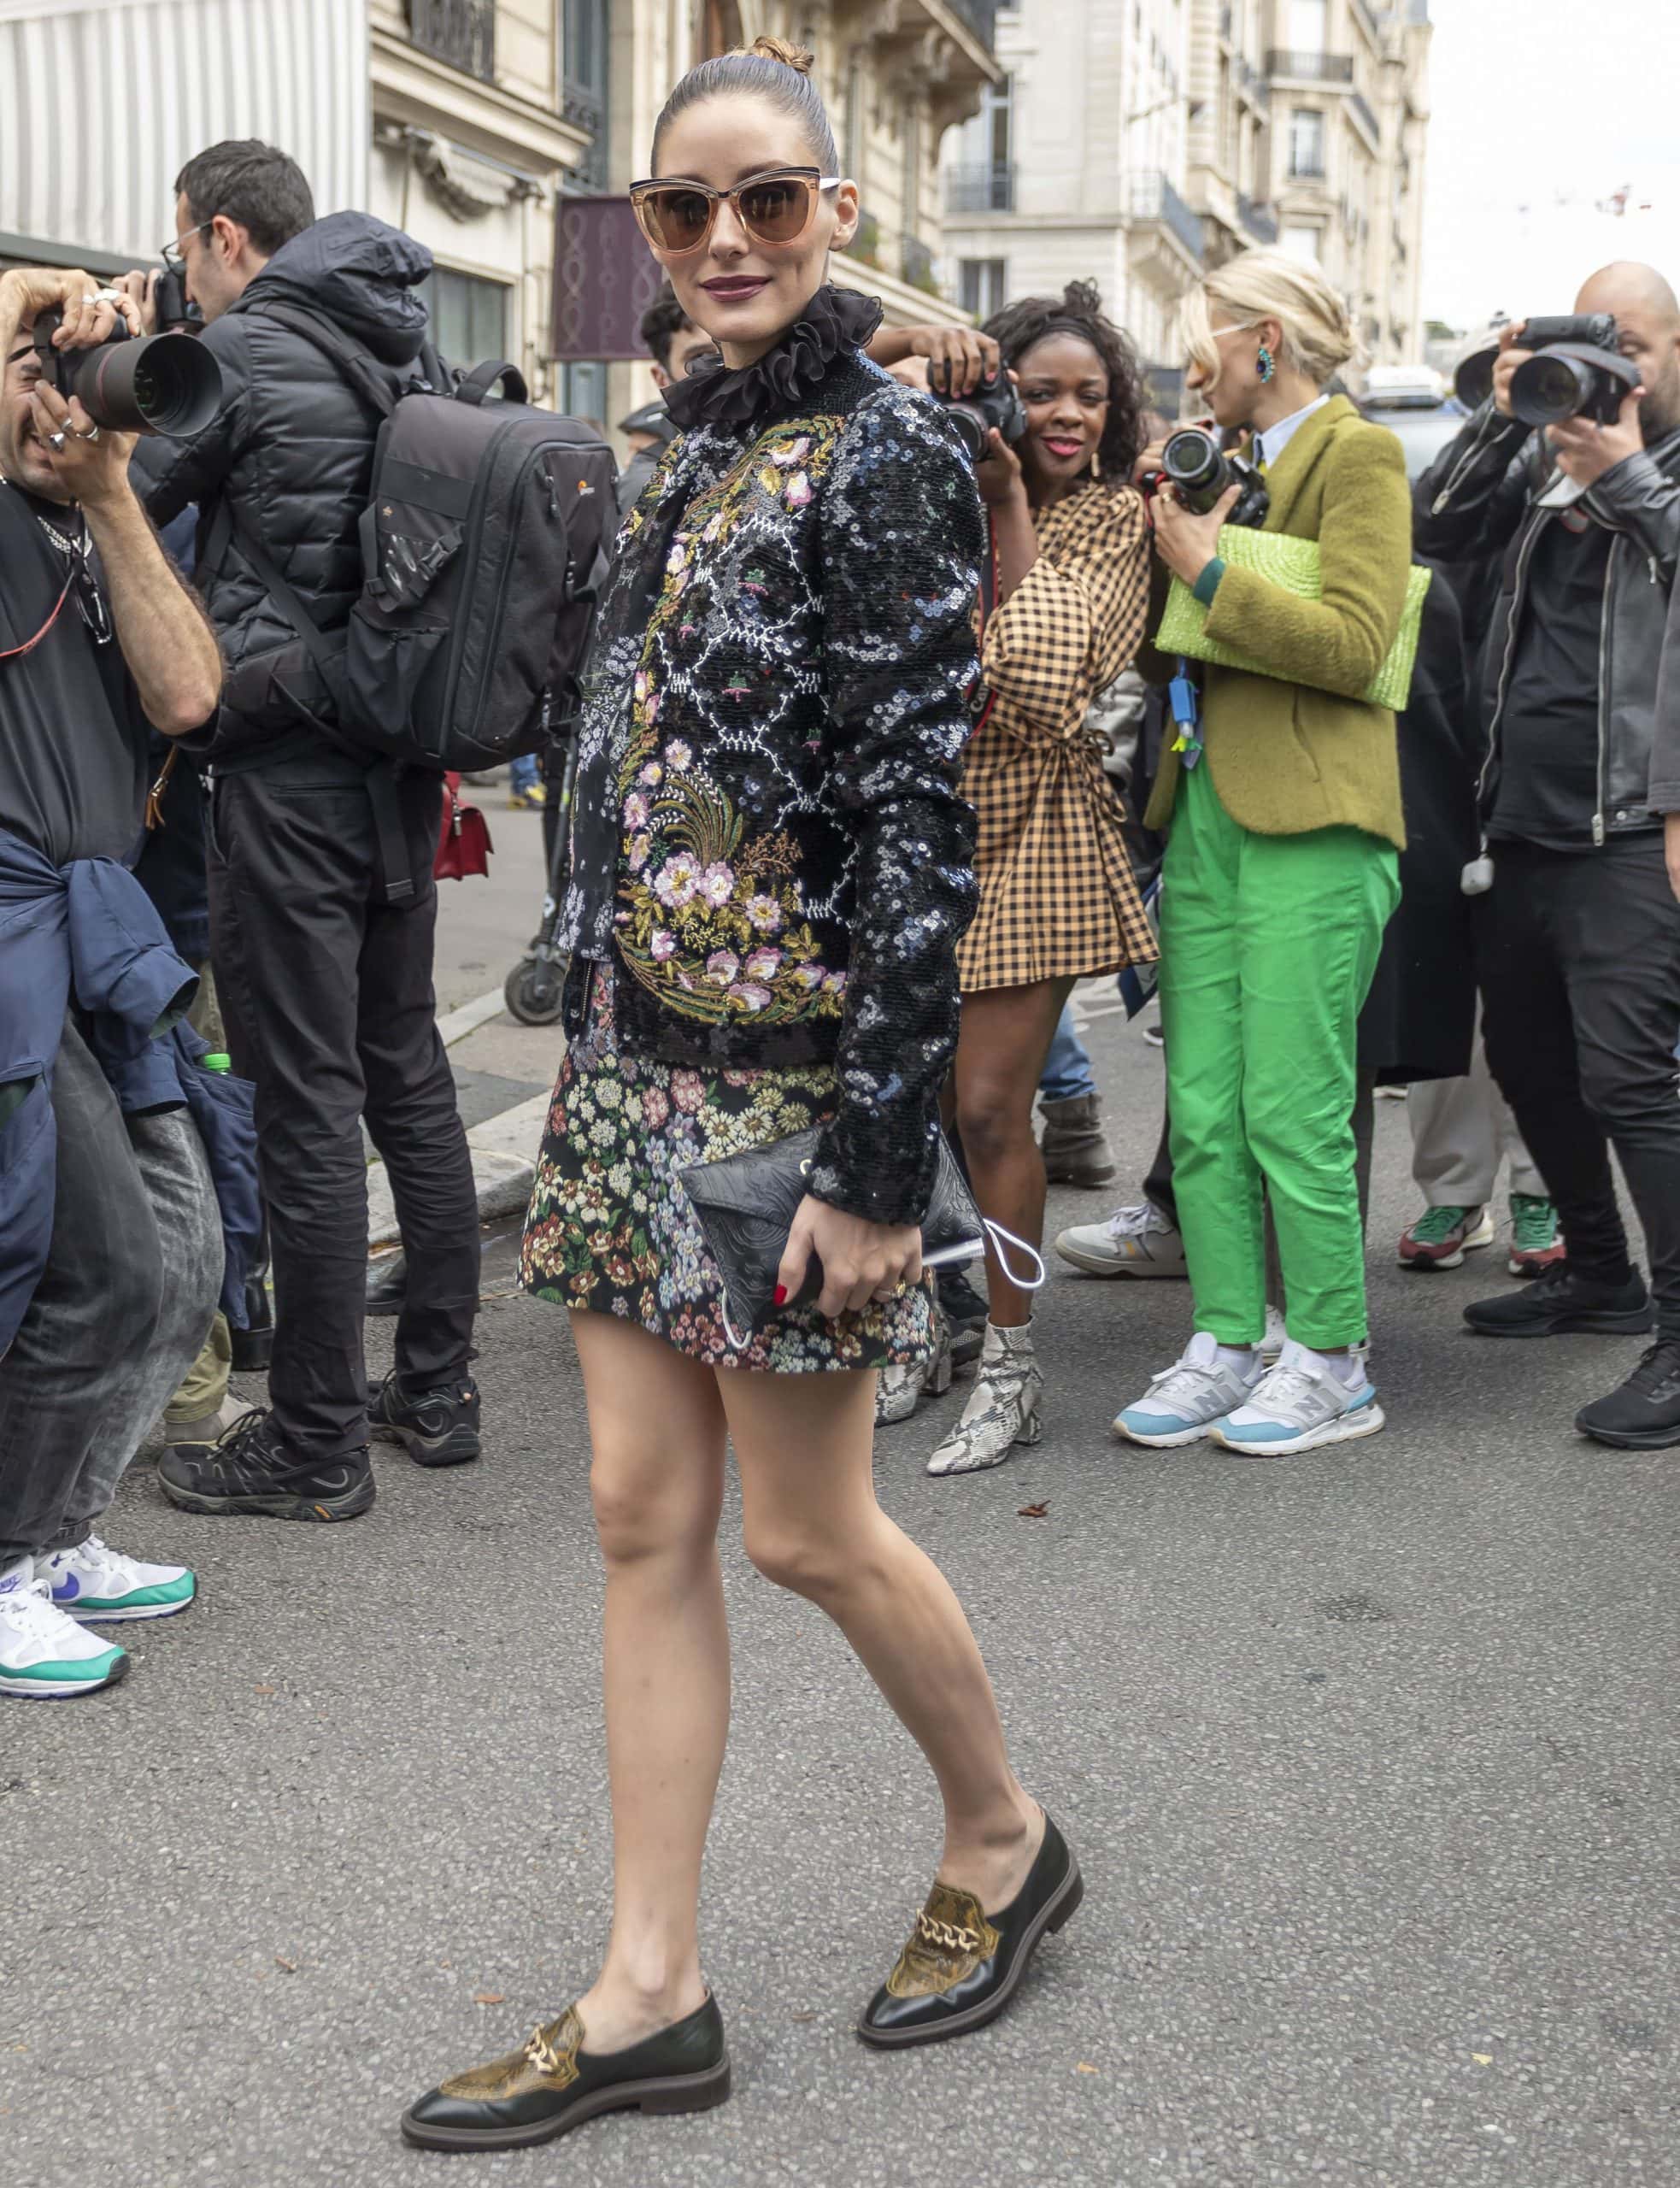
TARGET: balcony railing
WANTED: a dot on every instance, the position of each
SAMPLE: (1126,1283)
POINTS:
(1361,107)
(460,32)
(1310,68)
(1260,221)
(980,188)
(1152,198)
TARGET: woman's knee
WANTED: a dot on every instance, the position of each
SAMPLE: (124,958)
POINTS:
(816,1561)
(994,1120)
(666,1507)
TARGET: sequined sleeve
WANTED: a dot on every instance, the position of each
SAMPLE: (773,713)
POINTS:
(901,538)
(1075,620)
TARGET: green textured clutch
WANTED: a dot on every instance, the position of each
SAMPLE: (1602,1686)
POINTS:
(1293,565)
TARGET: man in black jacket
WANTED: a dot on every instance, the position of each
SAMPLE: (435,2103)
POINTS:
(323,962)
(1578,933)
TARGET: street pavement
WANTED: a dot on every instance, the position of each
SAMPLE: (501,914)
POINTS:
(1369,1758)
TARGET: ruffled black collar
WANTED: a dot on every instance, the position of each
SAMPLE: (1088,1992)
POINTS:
(712,395)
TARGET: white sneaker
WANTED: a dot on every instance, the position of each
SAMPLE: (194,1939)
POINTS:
(1133,1242)
(97,1585)
(44,1654)
(1299,1404)
(1183,1401)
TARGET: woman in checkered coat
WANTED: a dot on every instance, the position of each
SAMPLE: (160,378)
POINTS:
(1057,898)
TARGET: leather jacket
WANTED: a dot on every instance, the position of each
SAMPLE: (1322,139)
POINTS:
(1491,493)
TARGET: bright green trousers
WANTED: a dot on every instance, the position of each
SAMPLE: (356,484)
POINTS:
(1268,946)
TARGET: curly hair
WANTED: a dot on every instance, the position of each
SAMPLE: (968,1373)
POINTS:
(1021,326)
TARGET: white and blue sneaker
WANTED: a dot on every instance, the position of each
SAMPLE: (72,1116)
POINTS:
(97,1585)
(45,1656)
(1183,1401)
(1300,1404)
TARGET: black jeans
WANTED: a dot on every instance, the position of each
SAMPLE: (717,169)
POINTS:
(133,1277)
(1578,956)
(327,990)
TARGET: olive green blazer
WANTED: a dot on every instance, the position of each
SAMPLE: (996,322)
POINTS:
(1299,748)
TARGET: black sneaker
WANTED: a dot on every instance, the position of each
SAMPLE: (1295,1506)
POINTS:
(251,1469)
(1562,1301)
(1643,1414)
(966,1313)
(437,1427)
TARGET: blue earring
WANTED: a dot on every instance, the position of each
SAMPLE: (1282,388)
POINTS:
(1263,364)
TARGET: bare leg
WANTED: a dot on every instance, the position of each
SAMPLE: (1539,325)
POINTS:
(804,1447)
(658,1434)
(1006,1036)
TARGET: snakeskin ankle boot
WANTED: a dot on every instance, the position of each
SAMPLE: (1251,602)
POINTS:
(1002,1409)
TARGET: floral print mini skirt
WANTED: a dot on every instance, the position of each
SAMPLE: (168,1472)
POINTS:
(612,1231)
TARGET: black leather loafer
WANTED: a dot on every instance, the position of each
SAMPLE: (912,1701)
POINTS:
(962,1966)
(552,2084)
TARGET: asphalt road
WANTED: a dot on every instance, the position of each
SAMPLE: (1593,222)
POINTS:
(1369,1759)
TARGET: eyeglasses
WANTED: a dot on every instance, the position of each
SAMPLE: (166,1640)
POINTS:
(678,217)
(173,255)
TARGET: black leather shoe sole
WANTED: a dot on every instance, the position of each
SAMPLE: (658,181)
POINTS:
(1596,1322)
(658,2093)
(1058,1909)
(455,1448)
(277,1504)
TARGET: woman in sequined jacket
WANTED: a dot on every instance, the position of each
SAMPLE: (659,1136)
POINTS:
(773,864)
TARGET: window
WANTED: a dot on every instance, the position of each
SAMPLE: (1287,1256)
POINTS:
(584,35)
(1302,240)
(981,284)
(1308,27)
(469,315)
(583,391)
(1307,141)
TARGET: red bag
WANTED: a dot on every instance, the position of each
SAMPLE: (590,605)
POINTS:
(463,839)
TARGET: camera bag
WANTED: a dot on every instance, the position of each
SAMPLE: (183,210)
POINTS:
(484,544)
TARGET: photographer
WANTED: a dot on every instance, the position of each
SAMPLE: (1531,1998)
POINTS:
(1577,930)
(1281,871)
(323,967)
(675,342)
(110,1243)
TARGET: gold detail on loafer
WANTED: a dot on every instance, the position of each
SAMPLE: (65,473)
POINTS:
(951,1938)
(547,2060)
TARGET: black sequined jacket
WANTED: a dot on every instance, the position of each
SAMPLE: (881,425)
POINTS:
(769,843)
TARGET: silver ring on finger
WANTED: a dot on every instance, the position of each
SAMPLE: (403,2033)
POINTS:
(55,441)
(92,434)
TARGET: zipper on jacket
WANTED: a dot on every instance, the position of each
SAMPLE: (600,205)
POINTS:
(1604,679)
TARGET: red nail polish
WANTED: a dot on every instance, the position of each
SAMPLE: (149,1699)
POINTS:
(781,1298)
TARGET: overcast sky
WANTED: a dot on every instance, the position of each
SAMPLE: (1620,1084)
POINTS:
(1539,101)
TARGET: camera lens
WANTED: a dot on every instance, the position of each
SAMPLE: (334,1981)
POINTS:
(972,428)
(165,384)
(1548,388)
(1193,460)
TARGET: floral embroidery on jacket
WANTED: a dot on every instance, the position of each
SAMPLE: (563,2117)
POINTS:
(712,916)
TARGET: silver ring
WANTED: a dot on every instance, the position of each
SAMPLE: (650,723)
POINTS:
(92,434)
(57,440)
(92,297)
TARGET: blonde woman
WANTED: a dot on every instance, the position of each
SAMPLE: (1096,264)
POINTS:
(1280,874)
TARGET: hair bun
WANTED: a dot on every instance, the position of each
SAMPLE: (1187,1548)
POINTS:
(791,56)
(1082,299)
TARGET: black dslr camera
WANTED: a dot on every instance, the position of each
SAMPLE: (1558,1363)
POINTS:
(1579,373)
(1194,463)
(994,402)
(156,384)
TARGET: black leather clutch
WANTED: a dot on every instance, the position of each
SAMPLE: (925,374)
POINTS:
(746,1205)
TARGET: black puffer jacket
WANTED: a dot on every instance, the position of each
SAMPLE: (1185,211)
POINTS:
(292,448)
